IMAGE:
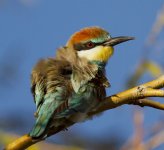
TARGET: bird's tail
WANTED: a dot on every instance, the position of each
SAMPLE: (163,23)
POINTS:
(41,126)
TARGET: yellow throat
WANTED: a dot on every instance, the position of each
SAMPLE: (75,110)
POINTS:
(99,53)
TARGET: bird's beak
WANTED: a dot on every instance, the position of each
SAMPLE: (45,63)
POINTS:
(117,40)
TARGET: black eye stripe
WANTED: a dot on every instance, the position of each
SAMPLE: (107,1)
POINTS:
(79,47)
(85,46)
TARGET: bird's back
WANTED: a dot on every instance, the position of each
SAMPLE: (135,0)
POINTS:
(51,73)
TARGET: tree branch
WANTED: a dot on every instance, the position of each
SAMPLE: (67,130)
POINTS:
(21,143)
(149,89)
(149,103)
(135,96)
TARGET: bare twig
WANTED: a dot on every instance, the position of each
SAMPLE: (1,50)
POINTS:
(149,103)
(149,89)
(21,143)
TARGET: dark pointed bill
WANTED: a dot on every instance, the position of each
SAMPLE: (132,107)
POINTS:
(117,40)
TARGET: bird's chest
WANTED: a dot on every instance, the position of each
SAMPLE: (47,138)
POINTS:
(88,97)
(87,101)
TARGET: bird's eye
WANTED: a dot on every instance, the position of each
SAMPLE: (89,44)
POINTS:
(90,45)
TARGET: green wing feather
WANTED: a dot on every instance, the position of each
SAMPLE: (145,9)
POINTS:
(45,112)
(49,81)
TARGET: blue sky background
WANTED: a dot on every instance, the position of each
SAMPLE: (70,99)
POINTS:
(30,30)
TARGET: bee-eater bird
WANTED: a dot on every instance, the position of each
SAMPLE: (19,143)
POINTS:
(72,84)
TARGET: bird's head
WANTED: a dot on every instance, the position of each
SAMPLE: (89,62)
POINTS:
(94,43)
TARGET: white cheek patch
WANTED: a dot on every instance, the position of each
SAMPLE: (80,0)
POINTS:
(91,53)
